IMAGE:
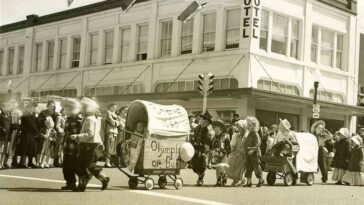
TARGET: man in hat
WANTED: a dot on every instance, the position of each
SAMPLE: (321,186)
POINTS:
(201,141)
(73,126)
(322,135)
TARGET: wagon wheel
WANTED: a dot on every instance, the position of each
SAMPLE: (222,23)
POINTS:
(310,179)
(178,183)
(149,183)
(162,182)
(133,182)
(288,179)
(271,178)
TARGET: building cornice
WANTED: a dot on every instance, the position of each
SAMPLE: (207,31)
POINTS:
(35,20)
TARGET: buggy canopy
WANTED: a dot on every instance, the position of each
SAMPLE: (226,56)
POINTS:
(162,120)
(306,159)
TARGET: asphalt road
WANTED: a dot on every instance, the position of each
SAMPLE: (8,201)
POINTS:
(42,186)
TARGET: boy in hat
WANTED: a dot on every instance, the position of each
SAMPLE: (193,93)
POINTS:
(220,149)
(322,135)
(201,141)
(73,126)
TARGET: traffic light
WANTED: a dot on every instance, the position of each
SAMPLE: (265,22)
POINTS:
(191,10)
(201,82)
(210,78)
(206,83)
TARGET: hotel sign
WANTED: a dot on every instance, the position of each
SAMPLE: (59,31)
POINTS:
(251,12)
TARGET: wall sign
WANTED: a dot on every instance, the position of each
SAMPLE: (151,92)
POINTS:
(251,18)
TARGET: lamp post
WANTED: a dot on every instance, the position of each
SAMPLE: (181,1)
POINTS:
(316,107)
(10,87)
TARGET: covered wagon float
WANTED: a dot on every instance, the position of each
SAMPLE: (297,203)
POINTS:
(156,144)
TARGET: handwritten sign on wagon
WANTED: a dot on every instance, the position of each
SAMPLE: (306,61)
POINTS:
(162,153)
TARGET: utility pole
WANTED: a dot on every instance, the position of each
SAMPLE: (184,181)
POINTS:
(206,81)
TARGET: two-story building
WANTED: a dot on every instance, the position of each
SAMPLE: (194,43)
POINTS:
(264,59)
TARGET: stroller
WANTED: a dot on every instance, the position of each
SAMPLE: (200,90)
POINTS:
(167,129)
(304,161)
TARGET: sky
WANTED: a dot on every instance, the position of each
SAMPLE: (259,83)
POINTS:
(16,10)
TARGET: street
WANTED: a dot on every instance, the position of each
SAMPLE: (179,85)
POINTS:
(42,186)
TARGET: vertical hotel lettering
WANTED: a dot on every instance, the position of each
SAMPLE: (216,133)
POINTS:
(251,18)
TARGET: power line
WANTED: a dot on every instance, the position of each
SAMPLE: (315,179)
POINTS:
(235,66)
(127,87)
(174,81)
(268,73)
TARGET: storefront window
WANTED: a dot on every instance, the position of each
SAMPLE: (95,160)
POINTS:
(280,34)
(187,36)
(209,30)
(166,38)
(278,87)
(233,28)
(263,44)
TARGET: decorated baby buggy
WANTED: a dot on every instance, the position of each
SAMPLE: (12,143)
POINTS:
(155,144)
(304,161)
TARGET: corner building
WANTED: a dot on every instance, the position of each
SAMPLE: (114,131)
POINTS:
(263,59)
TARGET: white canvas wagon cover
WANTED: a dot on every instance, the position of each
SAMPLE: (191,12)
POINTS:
(162,120)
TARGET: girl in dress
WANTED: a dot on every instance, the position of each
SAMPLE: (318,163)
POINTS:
(355,175)
(340,163)
(50,136)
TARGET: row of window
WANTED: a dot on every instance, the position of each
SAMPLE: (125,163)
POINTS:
(293,90)
(11,61)
(208,43)
(282,36)
(56,92)
(183,86)
(115,90)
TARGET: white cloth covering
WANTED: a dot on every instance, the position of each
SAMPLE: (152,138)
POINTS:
(306,159)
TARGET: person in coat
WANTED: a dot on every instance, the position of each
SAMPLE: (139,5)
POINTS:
(42,124)
(30,133)
(237,157)
(252,145)
(219,151)
(111,133)
(201,142)
(318,129)
(73,125)
(5,122)
(89,141)
(14,134)
(355,174)
(340,162)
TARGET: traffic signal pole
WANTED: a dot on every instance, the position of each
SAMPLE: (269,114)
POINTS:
(204,105)
(205,88)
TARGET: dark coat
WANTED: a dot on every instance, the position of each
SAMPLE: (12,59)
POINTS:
(5,122)
(201,139)
(342,155)
(30,131)
(221,144)
(253,142)
(356,163)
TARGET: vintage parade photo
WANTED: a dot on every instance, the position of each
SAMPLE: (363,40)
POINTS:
(181,102)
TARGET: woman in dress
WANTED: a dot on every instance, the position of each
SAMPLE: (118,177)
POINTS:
(355,175)
(237,157)
(340,163)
